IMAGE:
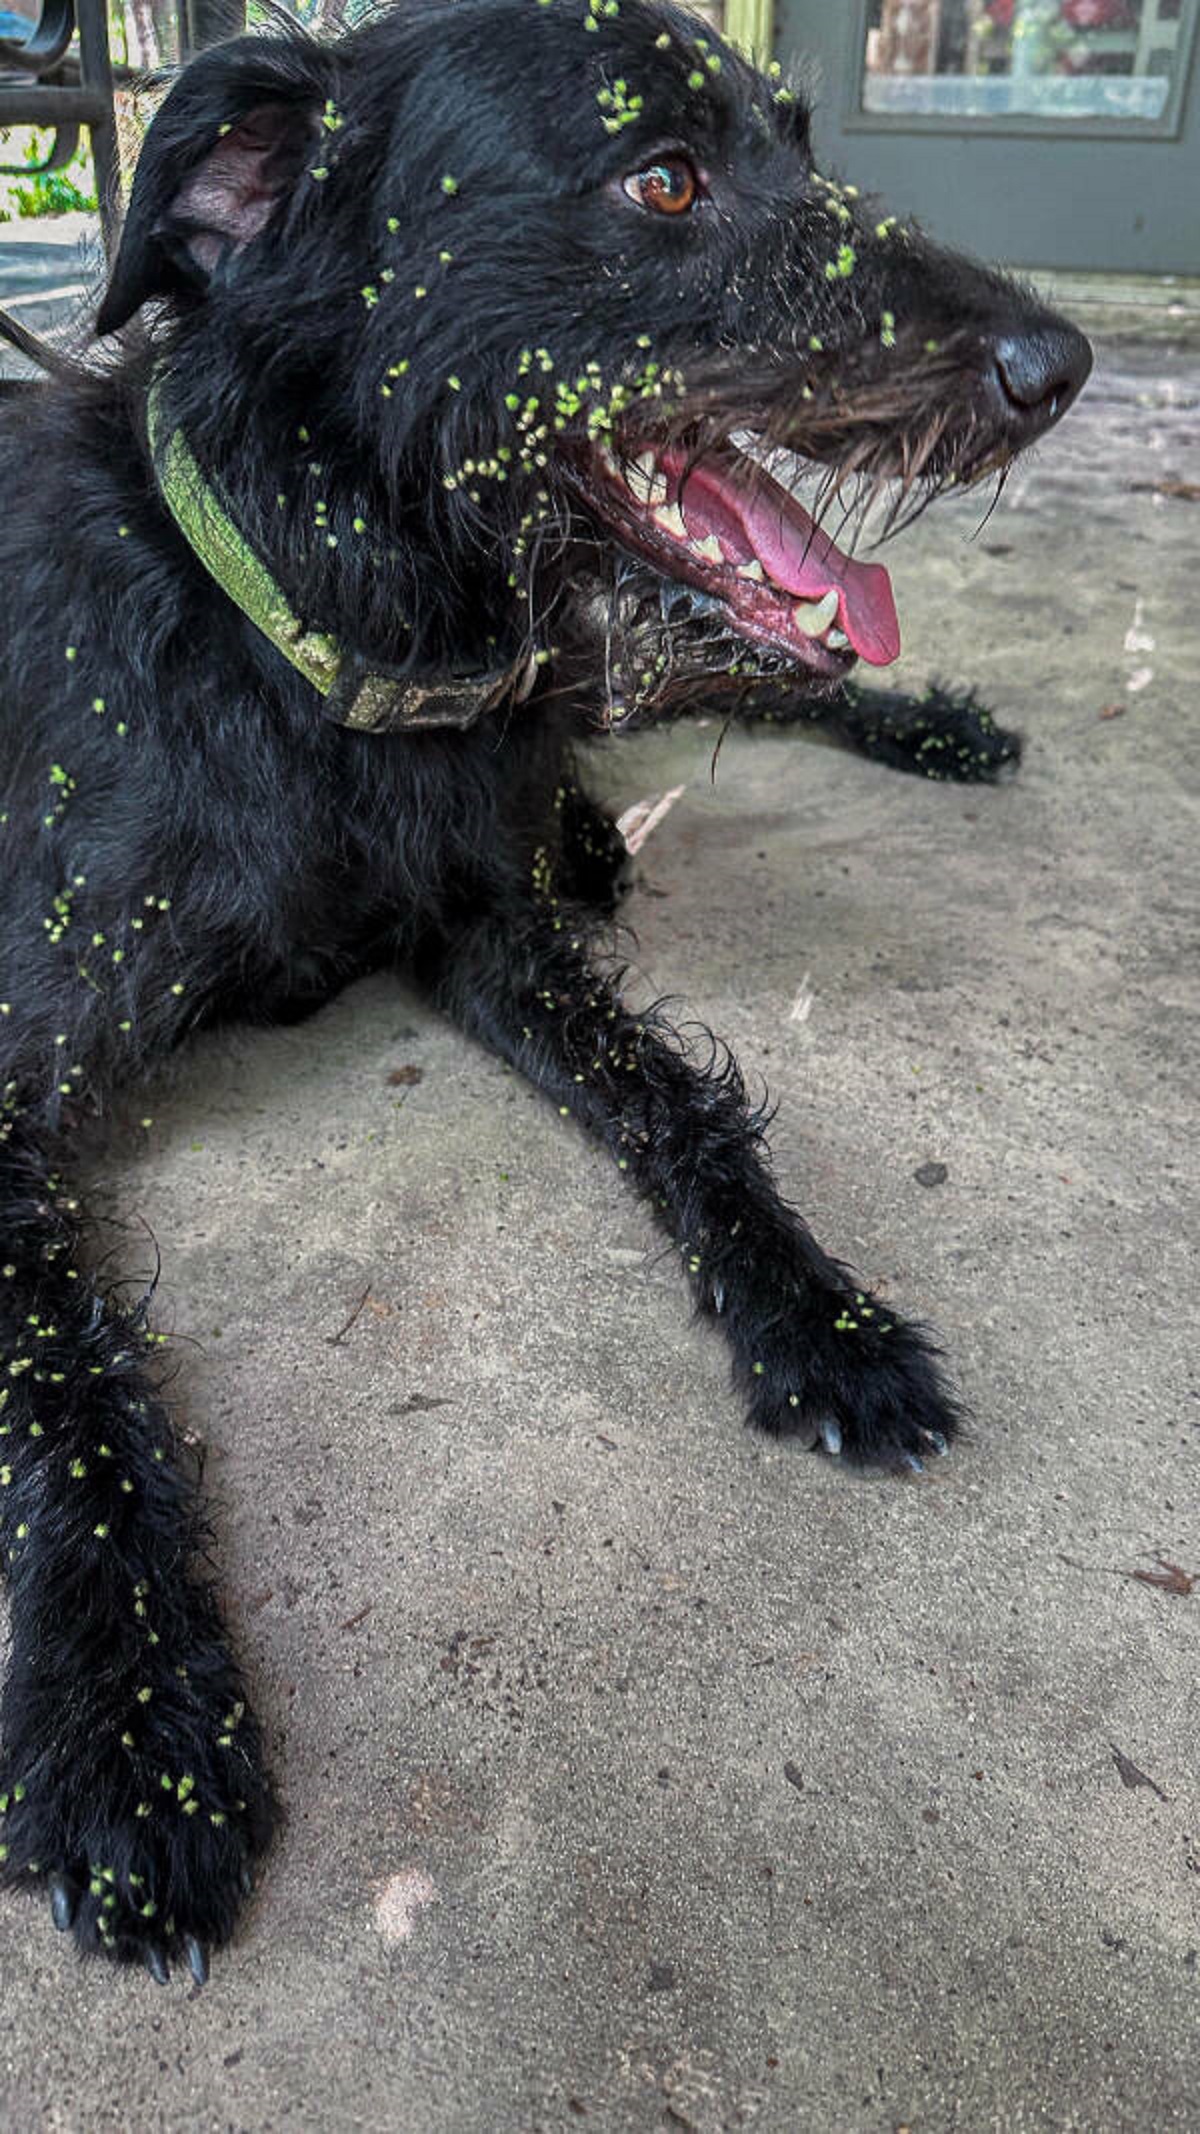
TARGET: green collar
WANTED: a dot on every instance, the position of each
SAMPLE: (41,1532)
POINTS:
(352,694)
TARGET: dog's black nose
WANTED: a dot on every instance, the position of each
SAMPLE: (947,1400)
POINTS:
(1040,372)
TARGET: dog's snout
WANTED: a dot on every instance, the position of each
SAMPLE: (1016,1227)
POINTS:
(1040,372)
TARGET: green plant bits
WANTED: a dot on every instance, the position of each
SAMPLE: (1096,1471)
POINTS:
(449,185)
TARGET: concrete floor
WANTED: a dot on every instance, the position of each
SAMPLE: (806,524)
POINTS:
(640,1774)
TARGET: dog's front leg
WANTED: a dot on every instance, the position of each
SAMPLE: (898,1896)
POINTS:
(131,1785)
(813,1354)
(943,733)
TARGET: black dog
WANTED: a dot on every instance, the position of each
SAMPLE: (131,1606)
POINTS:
(447,437)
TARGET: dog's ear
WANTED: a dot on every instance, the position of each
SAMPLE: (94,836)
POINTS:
(221,156)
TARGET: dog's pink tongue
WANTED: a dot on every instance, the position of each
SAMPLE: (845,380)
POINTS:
(760,518)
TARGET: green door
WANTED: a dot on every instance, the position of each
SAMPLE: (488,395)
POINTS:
(1056,133)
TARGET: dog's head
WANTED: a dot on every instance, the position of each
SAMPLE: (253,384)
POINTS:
(529,326)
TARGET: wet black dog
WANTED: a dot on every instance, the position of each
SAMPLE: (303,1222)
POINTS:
(479,356)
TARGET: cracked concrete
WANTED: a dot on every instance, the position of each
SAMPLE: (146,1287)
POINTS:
(641,1774)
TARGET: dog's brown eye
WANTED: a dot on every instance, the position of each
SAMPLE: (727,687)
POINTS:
(669,187)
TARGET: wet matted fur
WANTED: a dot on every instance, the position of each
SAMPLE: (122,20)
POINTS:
(498,336)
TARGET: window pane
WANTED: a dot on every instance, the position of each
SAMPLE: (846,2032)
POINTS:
(1049,58)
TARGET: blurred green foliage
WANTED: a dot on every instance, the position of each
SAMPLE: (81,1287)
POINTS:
(53,192)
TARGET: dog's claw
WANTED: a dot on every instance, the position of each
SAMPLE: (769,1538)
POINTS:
(916,1466)
(831,1438)
(197,1959)
(63,1899)
(156,1965)
(246,1882)
(936,1442)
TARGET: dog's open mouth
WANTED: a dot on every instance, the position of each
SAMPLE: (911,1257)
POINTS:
(723,524)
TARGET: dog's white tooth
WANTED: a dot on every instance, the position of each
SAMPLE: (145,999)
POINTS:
(752,570)
(709,548)
(813,617)
(654,485)
(671,519)
(837,640)
(637,482)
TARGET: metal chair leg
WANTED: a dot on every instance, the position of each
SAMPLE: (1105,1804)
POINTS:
(95,69)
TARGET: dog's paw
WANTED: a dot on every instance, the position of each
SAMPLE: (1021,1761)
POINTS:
(145,1850)
(856,1380)
(946,734)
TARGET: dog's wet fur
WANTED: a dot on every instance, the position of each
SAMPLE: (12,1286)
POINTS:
(418,299)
